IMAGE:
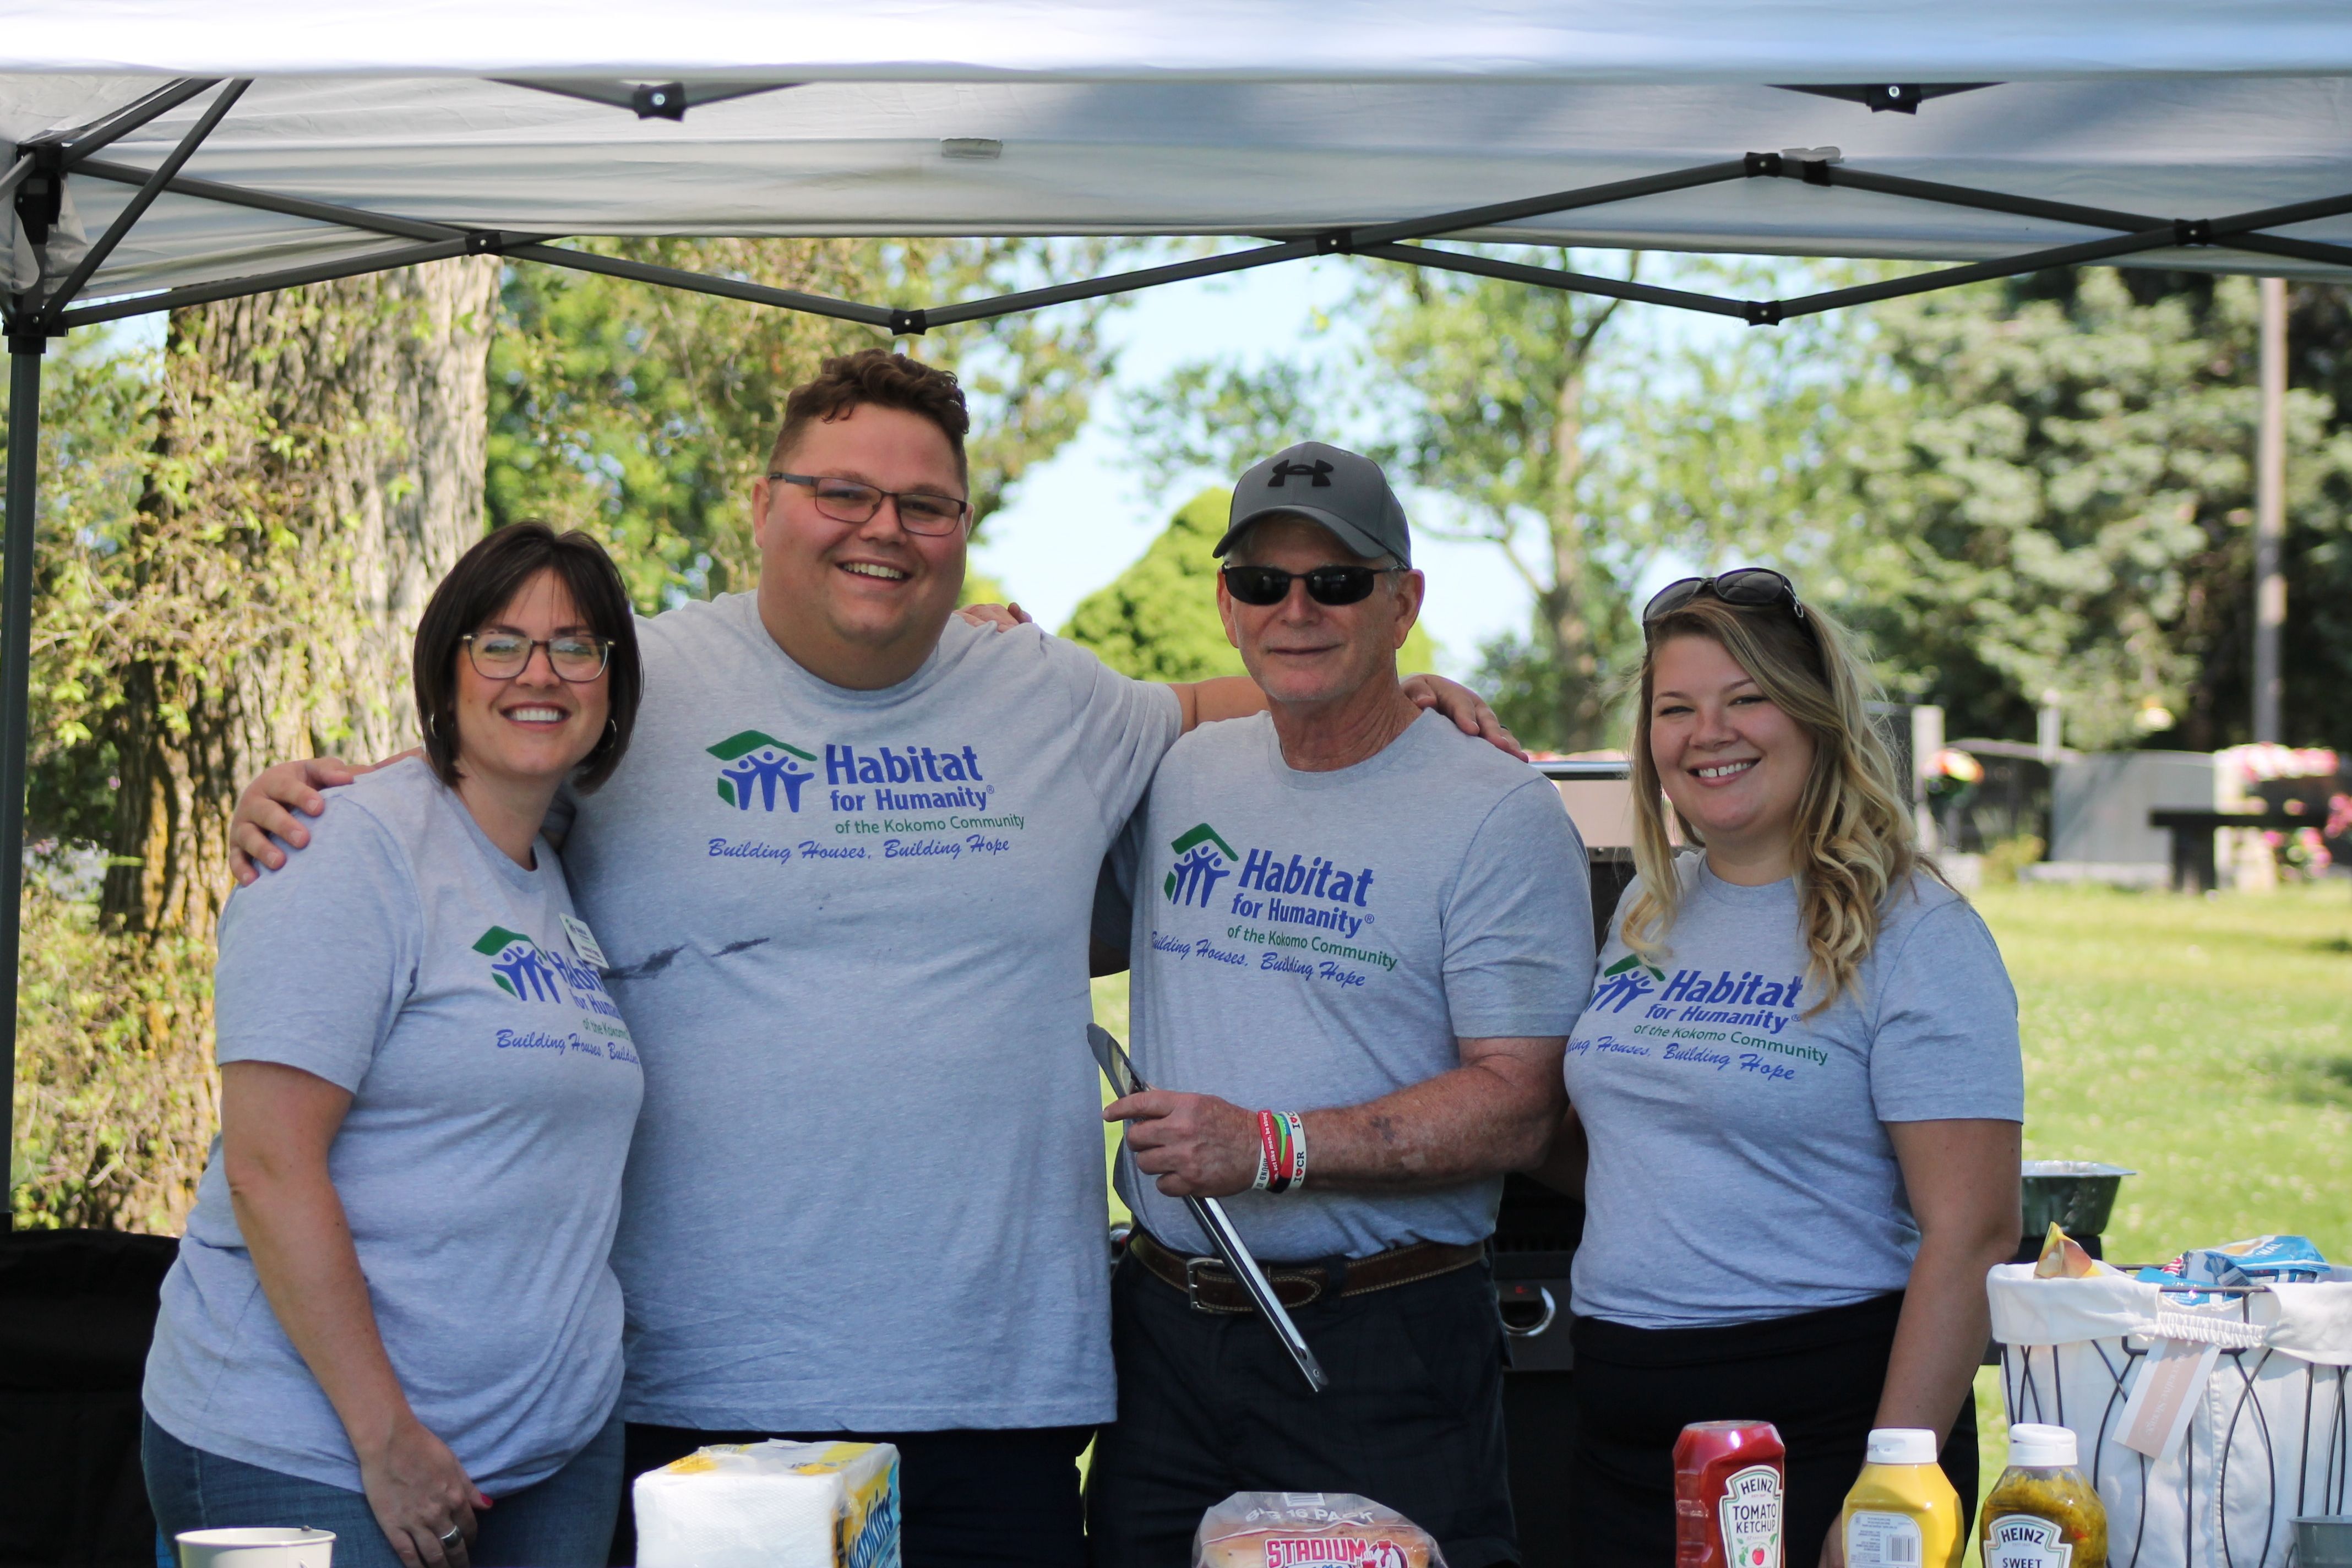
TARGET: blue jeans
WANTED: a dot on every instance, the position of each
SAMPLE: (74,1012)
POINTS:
(563,1521)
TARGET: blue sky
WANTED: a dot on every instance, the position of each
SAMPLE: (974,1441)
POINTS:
(1077,522)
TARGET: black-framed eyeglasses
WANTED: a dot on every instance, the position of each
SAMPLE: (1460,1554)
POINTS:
(576,657)
(1264,585)
(848,501)
(1749,587)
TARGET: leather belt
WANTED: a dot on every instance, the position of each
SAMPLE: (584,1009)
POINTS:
(1210,1287)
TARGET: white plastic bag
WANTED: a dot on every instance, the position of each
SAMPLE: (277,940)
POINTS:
(1309,1529)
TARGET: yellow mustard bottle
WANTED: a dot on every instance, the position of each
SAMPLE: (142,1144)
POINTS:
(1903,1512)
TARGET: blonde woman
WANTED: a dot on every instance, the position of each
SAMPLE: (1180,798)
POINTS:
(1799,1084)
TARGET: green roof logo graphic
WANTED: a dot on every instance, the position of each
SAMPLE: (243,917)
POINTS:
(1632,960)
(746,742)
(1197,870)
(517,965)
(1204,834)
(760,762)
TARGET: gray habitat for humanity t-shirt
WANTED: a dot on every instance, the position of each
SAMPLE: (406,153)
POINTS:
(407,959)
(1302,940)
(1740,1167)
(850,929)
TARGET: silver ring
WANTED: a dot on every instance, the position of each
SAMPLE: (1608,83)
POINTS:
(449,1537)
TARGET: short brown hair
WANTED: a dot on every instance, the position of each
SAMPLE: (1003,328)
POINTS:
(883,378)
(482,582)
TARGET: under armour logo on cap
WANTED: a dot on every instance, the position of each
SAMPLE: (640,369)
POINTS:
(1345,493)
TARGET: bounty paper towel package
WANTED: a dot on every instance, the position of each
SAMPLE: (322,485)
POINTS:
(772,1505)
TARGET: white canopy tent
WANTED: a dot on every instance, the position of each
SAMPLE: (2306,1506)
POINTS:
(162,152)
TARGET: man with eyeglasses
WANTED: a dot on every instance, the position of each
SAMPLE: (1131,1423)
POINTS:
(844,879)
(1359,942)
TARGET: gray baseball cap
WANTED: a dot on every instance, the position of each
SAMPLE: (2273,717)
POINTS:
(1345,492)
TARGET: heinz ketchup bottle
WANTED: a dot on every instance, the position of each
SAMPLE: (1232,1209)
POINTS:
(1728,1484)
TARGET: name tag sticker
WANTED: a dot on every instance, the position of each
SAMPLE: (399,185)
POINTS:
(583,943)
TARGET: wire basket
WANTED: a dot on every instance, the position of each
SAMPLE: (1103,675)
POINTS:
(2269,1437)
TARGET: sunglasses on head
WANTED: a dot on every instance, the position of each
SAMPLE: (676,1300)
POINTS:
(1263,585)
(1749,587)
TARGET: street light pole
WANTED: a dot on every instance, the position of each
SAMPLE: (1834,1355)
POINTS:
(2270,512)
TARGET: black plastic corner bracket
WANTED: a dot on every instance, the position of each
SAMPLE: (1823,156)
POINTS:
(908,323)
(40,196)
(1765,165)
(24,343)
(659,101)
(1761,312)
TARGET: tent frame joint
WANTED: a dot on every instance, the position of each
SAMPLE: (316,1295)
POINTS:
(41,193)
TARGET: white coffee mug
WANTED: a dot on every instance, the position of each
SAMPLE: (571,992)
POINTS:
(256,1547)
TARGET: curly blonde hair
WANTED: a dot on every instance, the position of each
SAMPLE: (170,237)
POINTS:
(1852,843)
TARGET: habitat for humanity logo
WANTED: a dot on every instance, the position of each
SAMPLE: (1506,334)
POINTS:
(1625,981)
(521,969)
(1202,860)
(756,763)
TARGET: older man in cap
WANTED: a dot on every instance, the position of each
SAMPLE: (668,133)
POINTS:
(1359,941)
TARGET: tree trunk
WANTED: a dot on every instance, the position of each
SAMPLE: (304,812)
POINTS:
(1567,621)
(320,468)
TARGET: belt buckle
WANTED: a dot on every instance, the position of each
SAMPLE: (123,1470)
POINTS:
(1193,1266)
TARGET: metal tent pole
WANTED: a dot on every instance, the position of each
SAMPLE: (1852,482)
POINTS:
(15,692)
(2270,512)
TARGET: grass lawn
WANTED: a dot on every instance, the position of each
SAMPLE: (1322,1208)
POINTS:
(2205,1043)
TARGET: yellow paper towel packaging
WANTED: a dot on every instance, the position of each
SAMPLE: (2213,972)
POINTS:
(772,1505)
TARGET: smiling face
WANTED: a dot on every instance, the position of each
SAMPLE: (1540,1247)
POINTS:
(536,726)
(1304,653)
(859,604)
(1729,758)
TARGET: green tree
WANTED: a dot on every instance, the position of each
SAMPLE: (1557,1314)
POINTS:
(644,413)
(2060,500)
(1157,619)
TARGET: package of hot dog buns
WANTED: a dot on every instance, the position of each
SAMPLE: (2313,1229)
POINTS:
(1309,1529)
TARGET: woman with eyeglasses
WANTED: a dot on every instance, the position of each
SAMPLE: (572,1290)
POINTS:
(393,1315)
(1798,1083)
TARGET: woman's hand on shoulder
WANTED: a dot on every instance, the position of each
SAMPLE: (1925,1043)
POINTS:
(1004,617)
(1465,708)
(419,1491)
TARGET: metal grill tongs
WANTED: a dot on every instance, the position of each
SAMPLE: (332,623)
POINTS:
(1210,1216)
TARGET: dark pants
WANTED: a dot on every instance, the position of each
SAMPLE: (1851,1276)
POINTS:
(562,1521)
(1816,1377)
(968,1499)
(1208,1405)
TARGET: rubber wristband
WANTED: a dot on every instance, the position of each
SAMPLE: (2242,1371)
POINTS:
(1298,1147)
(1263,1174)
(1273,1144)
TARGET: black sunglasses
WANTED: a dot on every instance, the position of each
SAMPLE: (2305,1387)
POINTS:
(1749,587)
(1264,585)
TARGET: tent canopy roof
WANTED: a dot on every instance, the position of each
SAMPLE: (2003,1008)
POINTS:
(521,121)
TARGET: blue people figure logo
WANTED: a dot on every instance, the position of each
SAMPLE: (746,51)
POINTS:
(756,763)
(1625,982)
(1202,860)
(518,967)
